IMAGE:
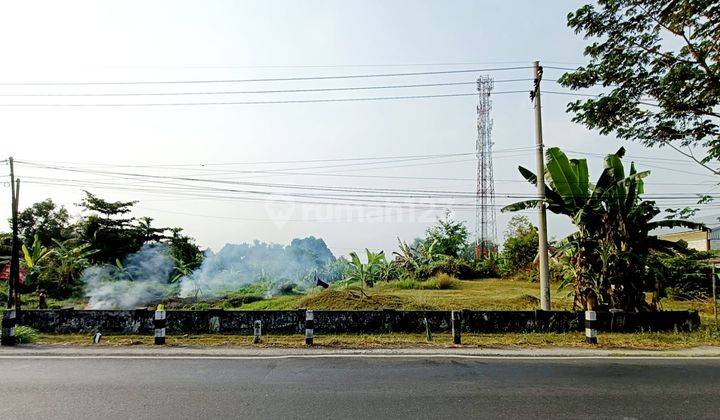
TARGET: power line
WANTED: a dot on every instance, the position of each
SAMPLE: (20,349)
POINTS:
(278,162)
(238,92)
(292,101)
(281,79)
(351,192)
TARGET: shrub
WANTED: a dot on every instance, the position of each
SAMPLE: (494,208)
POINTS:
(556,269)
(682,276)
(520,247)
(407,284)
(26,335)
(440,281)
(239,300)
(444,281)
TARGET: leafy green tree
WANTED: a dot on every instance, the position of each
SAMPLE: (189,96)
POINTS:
(416,259)
(33,259)
(5,246)
(66,263)
(107,228)
(612,243)
(186,254)
(521,245)
(365,273)
(661,61)
(448,236)
(44,220)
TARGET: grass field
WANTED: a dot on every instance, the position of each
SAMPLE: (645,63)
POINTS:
(488,294)
(498,294)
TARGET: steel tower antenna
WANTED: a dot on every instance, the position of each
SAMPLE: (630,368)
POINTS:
(485,228)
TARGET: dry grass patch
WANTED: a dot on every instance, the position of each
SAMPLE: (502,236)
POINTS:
(706,336)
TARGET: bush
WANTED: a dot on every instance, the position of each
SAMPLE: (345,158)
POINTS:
(682,276)
(407,284)
(557,271)
(26,335)
(520,247)
(239,300)
(441,281)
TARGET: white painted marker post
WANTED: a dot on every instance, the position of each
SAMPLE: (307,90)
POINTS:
(456,324)
(8,328)
(257,332)
(160,323)
(309,327)
(591,327)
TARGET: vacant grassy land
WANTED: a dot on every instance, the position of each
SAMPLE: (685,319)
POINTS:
(487,294)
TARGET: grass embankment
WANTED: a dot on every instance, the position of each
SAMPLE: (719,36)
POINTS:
(489,294)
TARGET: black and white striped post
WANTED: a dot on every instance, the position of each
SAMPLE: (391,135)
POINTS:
(8,327)
(159,323)
(257,332)
(591,327)
(456,324)
(309,327)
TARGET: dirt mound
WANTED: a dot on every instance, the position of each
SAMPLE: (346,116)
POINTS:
(349,300)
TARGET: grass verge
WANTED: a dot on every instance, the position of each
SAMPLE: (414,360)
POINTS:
(706,336)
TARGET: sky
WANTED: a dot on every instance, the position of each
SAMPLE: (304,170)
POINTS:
(426,143)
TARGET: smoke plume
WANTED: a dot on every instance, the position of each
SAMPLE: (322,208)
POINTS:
(236,266)
(142,280)
(144,277)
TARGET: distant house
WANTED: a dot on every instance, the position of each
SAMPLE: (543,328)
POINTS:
(702,240)
(696,239)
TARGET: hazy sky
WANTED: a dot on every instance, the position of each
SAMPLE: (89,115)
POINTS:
(92,41)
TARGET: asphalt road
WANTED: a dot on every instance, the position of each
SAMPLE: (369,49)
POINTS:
(358,388)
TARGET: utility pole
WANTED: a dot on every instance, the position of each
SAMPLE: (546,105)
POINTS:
(14,275)
(542,217)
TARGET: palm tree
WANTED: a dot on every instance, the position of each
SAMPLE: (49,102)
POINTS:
(612,241)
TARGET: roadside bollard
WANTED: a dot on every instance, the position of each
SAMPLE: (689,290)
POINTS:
(309,327)
(159,322)
(257,332)
(8,328)
(456,324)
(428,333)
(97,337)
(591,327)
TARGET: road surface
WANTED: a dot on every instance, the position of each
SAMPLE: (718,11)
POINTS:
(357,387)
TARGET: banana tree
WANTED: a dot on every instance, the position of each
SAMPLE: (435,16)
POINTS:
(613,240)
(70,259)
(33,259)
(365,273)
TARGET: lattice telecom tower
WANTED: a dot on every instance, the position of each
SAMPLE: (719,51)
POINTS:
(485,228)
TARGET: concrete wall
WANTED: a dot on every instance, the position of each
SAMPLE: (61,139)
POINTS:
(210,321)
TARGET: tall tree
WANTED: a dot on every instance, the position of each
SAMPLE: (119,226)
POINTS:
(44,220)
(661,61)
(610,249)
(448,235)
(108,230)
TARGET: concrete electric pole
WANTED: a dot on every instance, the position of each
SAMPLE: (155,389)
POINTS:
(542,218)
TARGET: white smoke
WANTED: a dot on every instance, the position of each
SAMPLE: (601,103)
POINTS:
(144,277)
(142,280)
(236,266)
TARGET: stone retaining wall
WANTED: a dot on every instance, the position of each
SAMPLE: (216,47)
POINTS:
(292,321)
